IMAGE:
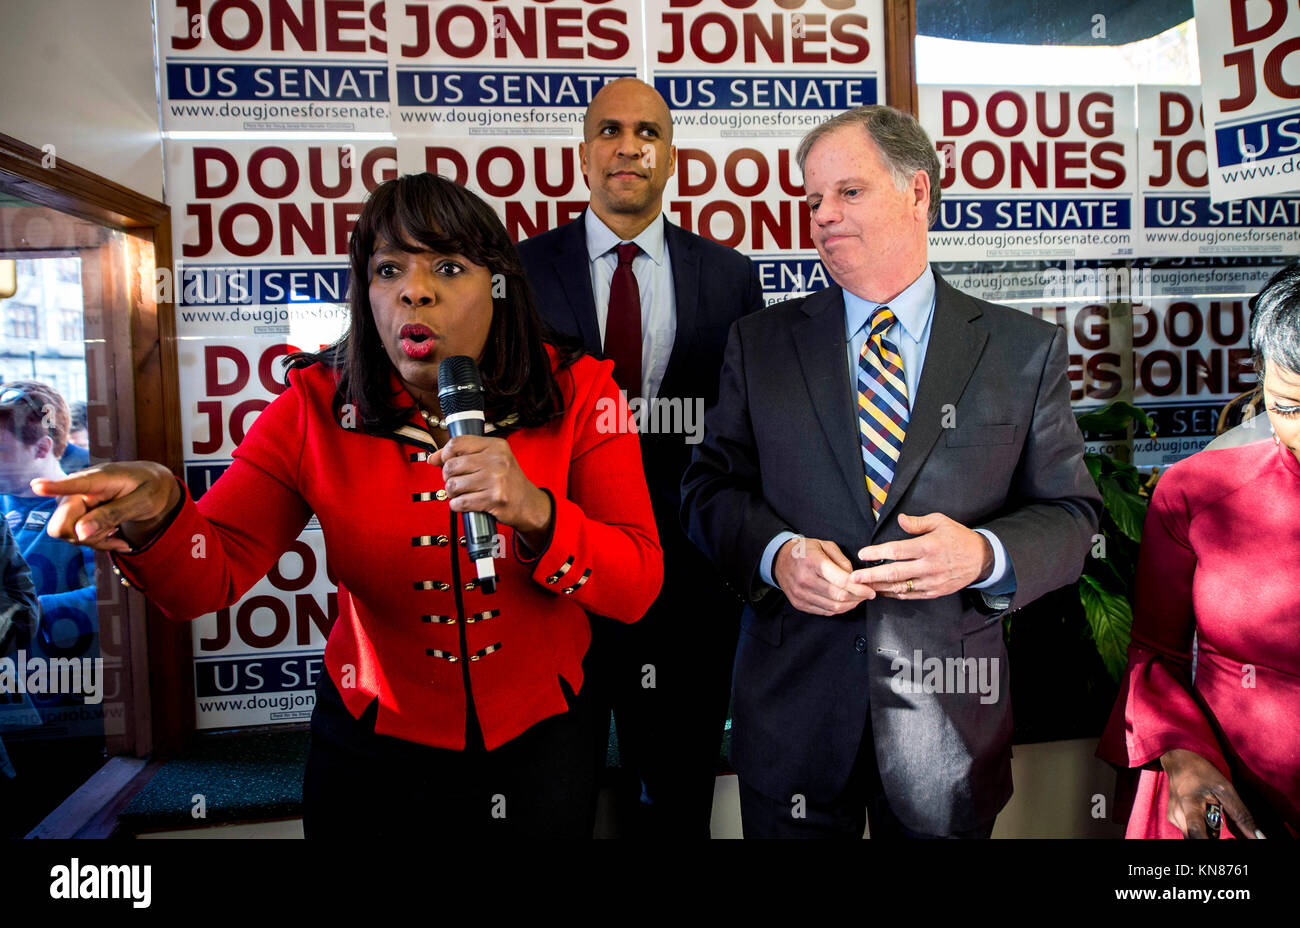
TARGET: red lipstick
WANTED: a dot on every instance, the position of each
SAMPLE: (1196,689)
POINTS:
(417,340)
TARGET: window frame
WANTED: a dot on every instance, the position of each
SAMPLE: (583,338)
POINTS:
(161,651)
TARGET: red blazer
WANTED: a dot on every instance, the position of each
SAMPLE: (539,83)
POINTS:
(410,612)
(1219,552)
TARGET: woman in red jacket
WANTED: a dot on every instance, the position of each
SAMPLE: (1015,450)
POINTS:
(1209,708)
(445,708)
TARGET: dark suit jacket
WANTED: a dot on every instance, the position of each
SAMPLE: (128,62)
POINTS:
(991,442)
(714,286)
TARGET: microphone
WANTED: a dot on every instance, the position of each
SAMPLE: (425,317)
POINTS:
(460,394)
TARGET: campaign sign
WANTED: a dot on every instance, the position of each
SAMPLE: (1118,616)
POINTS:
(260,233)
(1191,355)
(753,68)
(1032,172)
(1178,215)
(749,198)
(273,65)
(1250,75)
(1183,354)
(257,661)
(534,186)
(506,67)
(263,644)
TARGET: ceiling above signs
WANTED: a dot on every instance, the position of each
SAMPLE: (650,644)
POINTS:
(1050,22)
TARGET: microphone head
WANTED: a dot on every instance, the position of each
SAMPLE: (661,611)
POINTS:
(460,388)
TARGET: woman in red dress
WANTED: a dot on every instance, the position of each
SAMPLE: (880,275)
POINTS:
(446,707)
(1209,708)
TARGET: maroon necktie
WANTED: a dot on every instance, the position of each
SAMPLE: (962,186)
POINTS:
(623,324)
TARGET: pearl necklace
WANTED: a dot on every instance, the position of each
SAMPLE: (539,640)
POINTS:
(434,422)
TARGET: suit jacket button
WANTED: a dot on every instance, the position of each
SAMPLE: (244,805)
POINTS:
(860,644)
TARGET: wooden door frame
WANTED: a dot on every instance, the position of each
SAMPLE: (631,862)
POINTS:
(164,708)
(900,55)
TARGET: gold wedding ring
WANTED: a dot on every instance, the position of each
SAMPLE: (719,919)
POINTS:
(909,586)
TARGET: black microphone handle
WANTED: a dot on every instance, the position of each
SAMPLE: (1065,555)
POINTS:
(480,527)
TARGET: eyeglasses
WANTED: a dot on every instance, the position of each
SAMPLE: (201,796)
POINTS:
(13,395)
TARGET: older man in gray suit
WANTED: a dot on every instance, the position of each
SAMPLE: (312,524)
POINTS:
(891,466)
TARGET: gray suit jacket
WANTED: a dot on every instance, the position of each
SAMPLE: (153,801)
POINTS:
(992,443)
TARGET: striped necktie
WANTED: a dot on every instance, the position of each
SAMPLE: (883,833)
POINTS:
(882,406)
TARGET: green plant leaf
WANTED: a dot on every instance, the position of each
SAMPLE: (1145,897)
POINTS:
(1127,508)
(1093,463)
(1115,417)
(1106,574)
(1110,617)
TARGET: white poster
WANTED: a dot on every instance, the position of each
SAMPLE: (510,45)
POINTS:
(260,235)
(1250,74)
(1033,172)
(754,68)
(1178,215)
(506,67)
(273,65)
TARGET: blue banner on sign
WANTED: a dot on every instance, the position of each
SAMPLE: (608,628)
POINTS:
(253,285)
(1179,212)
(1260,140)
(262,673)
(200,476)
(437,87)
(1075,213)
(200,80)
(790,275)
(775,92)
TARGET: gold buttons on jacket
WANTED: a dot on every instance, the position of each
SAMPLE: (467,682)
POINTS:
(432,585)
(564,569)
(479,655)
(580,581)
(440,540)
(440,495)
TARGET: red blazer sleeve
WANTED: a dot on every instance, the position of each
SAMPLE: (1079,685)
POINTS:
(216,549)
(604,550)
(1157,709)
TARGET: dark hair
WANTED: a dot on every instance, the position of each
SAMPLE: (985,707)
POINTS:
(903,144)
(78,411)
(432,212)
(25,416)
(1275,321)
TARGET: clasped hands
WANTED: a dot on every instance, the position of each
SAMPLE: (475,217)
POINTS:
(944,557)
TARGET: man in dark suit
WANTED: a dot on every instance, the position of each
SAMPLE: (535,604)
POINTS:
(658,301)
(890,467)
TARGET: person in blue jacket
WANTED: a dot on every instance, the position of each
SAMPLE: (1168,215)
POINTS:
(34,421)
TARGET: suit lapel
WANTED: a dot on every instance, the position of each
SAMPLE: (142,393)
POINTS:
(823,355)
(572,268)
(685,263)
(950,359)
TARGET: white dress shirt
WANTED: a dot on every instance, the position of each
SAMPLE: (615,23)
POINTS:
(654,280)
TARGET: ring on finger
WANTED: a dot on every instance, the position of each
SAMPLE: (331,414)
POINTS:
(910,587)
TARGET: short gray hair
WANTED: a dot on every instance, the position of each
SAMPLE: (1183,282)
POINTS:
(902,143)
(1275,322)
